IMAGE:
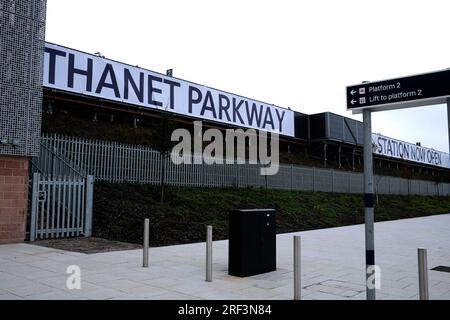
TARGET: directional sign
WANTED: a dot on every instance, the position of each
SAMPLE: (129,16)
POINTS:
(412,91)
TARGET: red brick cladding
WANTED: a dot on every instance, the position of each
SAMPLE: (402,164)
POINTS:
(13,198)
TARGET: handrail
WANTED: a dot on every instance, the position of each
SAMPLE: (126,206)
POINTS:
(55,155)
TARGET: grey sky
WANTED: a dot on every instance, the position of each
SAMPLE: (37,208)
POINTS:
(298,54)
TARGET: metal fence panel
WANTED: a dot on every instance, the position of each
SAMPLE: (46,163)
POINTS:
(323,180)
(356,182)
(341,182)
(122,163)
(59,206)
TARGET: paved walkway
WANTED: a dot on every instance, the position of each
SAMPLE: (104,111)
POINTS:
(332,262)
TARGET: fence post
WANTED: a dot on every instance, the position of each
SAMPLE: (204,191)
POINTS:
(266,179)
(389,184)
(314,179)
(423,274)
(146,240)
(203,173)
(297,268)
(34,198)
(209,253)
(332,181)
(89,201)
(247,174)
(349,182)
(292,176)
(53,161)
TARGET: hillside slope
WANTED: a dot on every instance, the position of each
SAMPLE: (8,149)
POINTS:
(120,209)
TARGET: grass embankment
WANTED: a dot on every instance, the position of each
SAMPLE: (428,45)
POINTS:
(120,209)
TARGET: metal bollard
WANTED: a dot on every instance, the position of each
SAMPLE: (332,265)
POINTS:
(423,274)
(209,253)
(146,240)
(297,269)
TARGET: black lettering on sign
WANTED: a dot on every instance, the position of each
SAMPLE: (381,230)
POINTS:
(197,100)
(208,105)
(108,71)
(152,90)
(52,62)
(172,85)
(224,105)
(236,113)
(268,119)
(72,71)
(254,115)
(139,92)
(280,119)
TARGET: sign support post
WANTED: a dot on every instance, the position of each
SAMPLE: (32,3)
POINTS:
(368,203)
(407,92)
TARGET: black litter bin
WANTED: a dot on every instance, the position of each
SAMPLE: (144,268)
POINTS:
(252,242)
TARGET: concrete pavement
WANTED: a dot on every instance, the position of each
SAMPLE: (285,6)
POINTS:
(332,268)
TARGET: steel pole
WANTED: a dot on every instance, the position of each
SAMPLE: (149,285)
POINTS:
(146,240)
(368,205)
(209,253)
(423,274)
(448,122)
(297,268)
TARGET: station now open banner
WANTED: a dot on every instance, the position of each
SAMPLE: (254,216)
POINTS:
(74,71)
(410,152)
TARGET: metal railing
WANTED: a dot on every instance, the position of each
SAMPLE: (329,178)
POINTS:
(51,163)
(61,195)
(61,207)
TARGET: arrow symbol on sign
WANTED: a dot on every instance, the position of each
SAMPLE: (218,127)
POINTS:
(353,101)
(352,92)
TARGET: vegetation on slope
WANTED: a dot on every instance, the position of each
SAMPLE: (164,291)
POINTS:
(120,209)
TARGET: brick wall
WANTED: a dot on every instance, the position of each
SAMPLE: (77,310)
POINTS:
(13,198)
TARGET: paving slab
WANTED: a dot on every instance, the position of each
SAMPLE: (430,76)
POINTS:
(333,263)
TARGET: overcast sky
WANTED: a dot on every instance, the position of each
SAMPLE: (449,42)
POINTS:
(298,54)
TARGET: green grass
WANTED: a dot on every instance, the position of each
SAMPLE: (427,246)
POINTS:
(119,210)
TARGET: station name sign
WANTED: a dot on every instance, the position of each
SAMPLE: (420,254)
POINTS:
(398,149)
(413,91)
(74,71)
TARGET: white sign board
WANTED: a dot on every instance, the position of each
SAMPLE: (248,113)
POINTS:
(74,71)
(393,148)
